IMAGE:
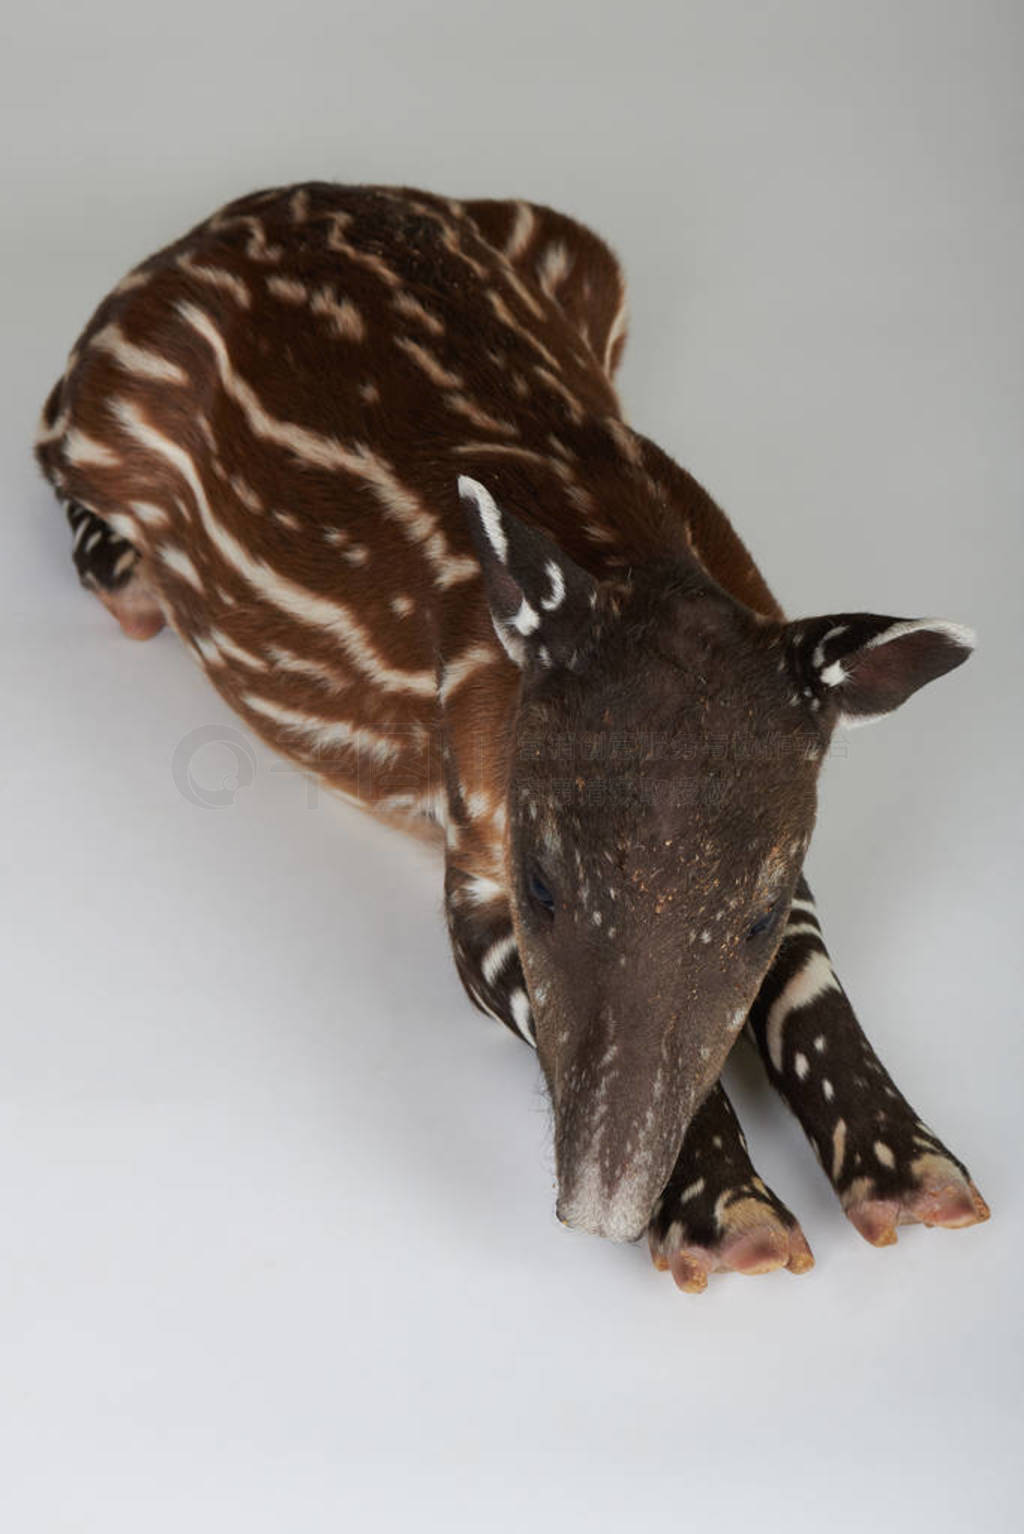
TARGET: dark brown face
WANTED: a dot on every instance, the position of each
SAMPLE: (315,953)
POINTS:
(661,799)
(661,805)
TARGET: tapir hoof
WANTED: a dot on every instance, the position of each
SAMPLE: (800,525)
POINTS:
(752,1236)
(135,609)
(941,1195)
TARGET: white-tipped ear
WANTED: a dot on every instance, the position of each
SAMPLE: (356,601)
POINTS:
(477,498)
(864,665)
(540,600)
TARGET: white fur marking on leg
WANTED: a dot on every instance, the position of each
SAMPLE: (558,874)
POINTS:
(557,593)
(526,620)
(522,1015)
(811,981)
(496,957)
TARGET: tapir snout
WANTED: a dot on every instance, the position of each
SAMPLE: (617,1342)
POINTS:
(622,1107)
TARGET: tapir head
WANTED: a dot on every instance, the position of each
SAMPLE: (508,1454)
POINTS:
(661,798)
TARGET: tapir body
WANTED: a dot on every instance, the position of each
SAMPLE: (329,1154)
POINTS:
(360,447)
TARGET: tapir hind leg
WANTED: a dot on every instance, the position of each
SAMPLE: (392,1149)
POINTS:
(886,1166)
(109,567)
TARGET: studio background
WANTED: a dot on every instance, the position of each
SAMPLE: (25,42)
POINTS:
(277,1246)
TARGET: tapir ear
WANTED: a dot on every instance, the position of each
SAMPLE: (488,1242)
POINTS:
(865,665)
(540,601)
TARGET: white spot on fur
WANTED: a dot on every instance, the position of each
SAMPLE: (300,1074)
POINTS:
(462,405)
(480,890)
(521,1015)
(140,361)
(179,563)
(813,979)
(496,957)
(150,515)
(288,290)
(317,671)
(526,620)
(818,658)
(79,448)
(412,309)
(463,666)
(557,594)
(429,364)
(553,267)
(521,232)
(215,276)
(616,331)
(321,732)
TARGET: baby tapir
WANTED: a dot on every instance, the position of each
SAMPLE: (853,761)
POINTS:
(361,449)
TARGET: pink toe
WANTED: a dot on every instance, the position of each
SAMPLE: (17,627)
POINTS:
(801,1258)
(954,1206)
(876,1219)
(690,1271)
(757,1251)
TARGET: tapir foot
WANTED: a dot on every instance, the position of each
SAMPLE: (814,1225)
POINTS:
(748,1230)
(135,609)
(716,1214)
(109,566)
(939,1193)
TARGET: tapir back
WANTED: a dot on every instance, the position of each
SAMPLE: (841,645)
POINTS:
(275,410)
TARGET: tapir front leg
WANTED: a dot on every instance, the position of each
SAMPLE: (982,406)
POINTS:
(886,1166)
(716,1213)
(485,950)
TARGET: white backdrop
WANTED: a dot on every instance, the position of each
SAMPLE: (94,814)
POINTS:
(277,1245)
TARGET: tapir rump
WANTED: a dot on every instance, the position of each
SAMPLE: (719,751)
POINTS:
(361,449)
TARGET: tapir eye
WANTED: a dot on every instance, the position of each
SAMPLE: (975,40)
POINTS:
(762,924)
(540,894)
